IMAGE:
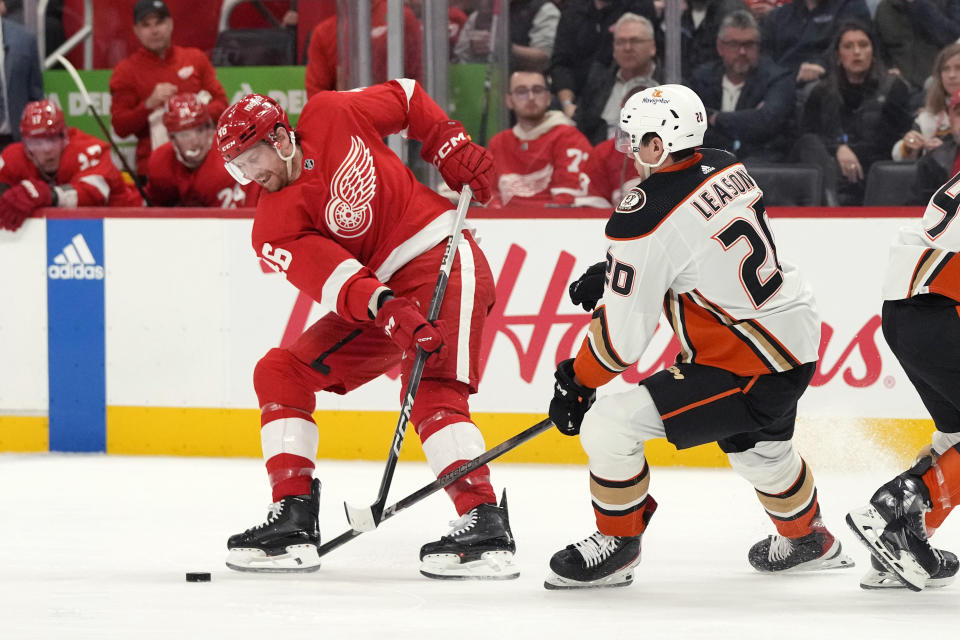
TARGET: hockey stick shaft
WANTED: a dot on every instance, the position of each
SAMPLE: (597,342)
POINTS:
(442,482)
(367,518)
(77,80)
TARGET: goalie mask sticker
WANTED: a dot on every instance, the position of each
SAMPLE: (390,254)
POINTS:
(633,201)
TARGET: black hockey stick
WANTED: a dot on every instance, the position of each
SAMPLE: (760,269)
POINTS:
(443,481)
(367,518)
(77,80)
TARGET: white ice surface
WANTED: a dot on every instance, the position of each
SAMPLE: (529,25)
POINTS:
(97,547)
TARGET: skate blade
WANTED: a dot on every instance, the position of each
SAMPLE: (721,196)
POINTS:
(877,580)
(869,526)
(492,565)
(618,579)
(835,558)
(299,558)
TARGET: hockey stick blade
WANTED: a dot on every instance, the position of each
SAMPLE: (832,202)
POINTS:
(442,482)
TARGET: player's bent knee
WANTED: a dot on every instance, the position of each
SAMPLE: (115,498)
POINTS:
(604,433)
(275,380)
(769,466)
(439,403)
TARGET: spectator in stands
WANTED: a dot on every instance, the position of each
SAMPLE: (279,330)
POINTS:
(913,31)
(749,99)
(57,166)
(321,72)
(456,16)
(853,116)
(53,21)
(584,37)
(183,172)
(540,160)
(612,173)
(142,83)
(931,127)
(699,24)
(761,8)
(597,113)
(22,80)
(940,164)
(533,27)
(798,35)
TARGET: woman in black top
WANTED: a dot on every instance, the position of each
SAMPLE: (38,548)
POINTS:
(852,116)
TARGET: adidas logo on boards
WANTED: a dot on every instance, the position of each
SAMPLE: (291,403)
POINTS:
(75,262)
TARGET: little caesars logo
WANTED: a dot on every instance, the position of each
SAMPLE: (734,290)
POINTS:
(75,262)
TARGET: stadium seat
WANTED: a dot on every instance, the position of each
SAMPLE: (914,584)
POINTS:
(890,184)
(789,185)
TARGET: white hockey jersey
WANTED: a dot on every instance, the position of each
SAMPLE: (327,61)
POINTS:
(923,258)
(693,240)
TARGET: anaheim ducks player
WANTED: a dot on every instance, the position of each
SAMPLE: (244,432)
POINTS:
(57,166)
(693,241)
(346,222)
(183,172)
(540,160)
(920,323)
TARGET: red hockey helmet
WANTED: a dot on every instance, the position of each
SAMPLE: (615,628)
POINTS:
(185,111)
(42,119)
(242,125)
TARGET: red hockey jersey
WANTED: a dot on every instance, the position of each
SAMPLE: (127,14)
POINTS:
(170,183)
(134,79)
(86,177)
(543,165)
(356,214)
(612,174)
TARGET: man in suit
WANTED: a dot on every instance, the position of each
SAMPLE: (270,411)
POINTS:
(749,99)
(21,80)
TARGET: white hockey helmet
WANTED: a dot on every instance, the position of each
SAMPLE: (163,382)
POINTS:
(673,112)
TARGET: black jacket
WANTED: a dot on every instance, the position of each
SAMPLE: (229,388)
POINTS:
(590,104)
(698,45)
(761,125)
(934,168)
(583,37)
(792,34)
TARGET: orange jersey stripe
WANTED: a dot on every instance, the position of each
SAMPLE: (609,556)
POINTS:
(589,370)
(717,345)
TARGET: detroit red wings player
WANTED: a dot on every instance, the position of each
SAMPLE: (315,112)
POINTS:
(540,160)
(57,166)
(183,172)
(692,239)
(346,222)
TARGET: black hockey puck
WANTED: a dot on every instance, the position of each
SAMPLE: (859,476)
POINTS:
(198,577)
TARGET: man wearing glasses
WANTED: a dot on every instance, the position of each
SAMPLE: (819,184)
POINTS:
(634,65)
(749,99)
(541,159)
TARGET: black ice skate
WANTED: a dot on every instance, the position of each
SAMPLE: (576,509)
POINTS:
(812,552)
(479,546)
(892,527)
(286,542)
(877,577)
(597,561)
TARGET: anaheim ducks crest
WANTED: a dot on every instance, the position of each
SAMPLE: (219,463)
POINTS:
(633,201)
(348,212)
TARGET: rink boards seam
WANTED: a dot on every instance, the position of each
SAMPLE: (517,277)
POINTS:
(363,435)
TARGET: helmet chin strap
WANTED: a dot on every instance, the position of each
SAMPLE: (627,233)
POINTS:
(649,166)
(288,160)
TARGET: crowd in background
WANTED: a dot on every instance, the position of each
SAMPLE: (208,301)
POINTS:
(839,85)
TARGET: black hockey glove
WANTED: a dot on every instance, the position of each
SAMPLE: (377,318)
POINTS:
(571,400)
(588,288)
